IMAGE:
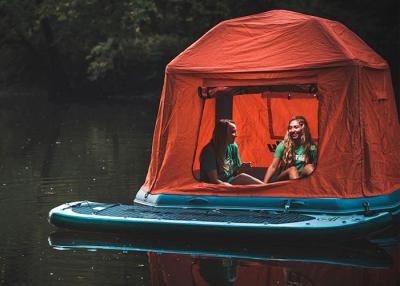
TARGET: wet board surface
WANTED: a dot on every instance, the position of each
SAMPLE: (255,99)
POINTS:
(129,218)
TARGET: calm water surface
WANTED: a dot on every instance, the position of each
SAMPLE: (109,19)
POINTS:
(51,154)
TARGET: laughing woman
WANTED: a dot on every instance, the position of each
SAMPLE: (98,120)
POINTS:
(220,160)
(296,156)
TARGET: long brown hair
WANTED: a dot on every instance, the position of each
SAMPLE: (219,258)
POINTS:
(290,146)
(219,140)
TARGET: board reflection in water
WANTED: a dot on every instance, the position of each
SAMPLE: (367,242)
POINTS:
(186,261)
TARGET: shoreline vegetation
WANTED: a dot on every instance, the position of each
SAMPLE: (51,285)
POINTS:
(26,91)
(92,49)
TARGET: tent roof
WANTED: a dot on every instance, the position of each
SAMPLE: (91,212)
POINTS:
(274,41)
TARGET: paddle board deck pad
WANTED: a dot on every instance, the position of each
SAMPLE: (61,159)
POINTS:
(360,254)
(93,216)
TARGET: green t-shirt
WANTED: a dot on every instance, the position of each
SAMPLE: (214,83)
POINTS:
(300,157)
(208,162)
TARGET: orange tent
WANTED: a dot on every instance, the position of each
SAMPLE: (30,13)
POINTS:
(275,58)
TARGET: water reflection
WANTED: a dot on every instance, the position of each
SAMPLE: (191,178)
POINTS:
(51,154)
(194,261)
(360,253)
(171,269)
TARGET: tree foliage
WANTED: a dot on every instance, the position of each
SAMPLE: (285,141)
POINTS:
(113,46)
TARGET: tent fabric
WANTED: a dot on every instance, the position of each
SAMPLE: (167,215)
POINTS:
(275,41)
(354,118)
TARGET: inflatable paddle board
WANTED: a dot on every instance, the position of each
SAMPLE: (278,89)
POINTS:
(93,216)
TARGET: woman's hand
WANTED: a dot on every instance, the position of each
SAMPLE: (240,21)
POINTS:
(245,167)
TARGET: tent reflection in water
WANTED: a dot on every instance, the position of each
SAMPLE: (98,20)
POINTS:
(261,70)
(172,269)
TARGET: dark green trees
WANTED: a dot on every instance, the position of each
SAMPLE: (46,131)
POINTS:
(95,47)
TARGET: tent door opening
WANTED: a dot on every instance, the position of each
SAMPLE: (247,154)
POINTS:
(261,114)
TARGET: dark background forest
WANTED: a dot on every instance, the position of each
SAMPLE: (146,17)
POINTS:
(100,48)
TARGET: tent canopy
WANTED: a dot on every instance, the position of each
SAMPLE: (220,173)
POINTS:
(275,41)
(273,59)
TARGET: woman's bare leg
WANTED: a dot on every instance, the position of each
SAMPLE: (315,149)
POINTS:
(293,173)
(308,169)
(245,179)
(290,173)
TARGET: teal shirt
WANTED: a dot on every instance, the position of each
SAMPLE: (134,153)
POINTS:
(300,157)
(208,162)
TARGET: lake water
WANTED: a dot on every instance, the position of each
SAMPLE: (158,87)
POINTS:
(51,154)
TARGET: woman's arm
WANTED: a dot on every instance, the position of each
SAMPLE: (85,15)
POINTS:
(271,169)
(213,178)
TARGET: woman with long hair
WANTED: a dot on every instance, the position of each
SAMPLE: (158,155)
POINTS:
(220,160)
(296,156)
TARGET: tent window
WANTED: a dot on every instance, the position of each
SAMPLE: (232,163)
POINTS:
(261,114)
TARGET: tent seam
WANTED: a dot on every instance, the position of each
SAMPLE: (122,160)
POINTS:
(360,118)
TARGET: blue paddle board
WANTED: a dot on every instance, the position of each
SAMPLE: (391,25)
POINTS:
(93,216)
